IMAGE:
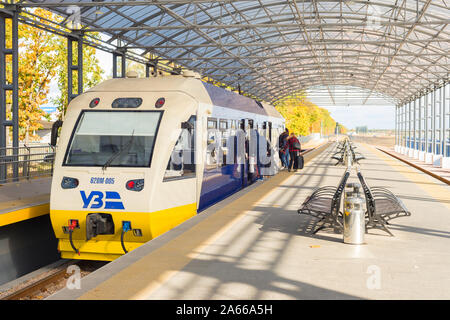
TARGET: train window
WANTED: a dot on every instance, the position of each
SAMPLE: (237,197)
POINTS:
(182,159)
(242,124)
(213,148)
(212,123)
(223,125)
(113,139)
(225,136)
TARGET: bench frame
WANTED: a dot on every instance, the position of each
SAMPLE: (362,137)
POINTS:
(329,216)
(377,220)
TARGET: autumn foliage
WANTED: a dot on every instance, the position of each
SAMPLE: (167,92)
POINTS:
(304,117)
(43,57)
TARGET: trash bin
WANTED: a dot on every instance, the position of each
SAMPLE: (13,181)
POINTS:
(354,218)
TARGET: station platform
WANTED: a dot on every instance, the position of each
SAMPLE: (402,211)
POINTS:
(27,241)
(440,173)
(24,200)
(254,245)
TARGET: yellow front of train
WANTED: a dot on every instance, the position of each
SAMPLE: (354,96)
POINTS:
(108,195)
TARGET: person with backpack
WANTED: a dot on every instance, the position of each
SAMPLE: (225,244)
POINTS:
(294,152)
(284,148)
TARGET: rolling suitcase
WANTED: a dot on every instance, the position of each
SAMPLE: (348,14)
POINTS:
(300,162)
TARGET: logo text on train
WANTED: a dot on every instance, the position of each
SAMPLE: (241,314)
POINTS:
(96,200)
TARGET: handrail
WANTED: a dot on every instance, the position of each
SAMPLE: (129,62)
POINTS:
(26,162)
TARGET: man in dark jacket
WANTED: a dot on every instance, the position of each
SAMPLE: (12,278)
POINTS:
(284,148)
(294,151)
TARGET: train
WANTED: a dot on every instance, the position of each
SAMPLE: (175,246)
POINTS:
(138,156)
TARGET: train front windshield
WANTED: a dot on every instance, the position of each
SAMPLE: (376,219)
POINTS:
(113,139)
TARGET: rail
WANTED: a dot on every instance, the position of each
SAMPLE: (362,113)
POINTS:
(26,162)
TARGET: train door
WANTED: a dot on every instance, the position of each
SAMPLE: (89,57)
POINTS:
(180,174)
(242,150)
(252,171)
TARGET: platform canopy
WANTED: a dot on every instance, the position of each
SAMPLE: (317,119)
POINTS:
(271,49)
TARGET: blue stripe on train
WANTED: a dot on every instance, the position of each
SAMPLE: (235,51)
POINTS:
(219,183)
(222,182)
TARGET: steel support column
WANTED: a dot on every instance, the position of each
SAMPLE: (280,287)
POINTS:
(442,119)
(74,67)
(414,125)
(409,125)
(445,123)
(419,103)
(404,125)
(400,113)
(433,121)
(396,126)
(116,55)
(8,83)
(153,64)
(427,134)
(147,70)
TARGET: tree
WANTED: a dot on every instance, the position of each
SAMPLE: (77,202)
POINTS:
(304,117)
(42,57)
(37,67)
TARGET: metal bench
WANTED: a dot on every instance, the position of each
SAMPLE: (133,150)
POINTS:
(324,204)
(356,155)
(382,206)
(340,154)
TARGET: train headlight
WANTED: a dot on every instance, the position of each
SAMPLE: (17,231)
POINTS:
(135,185)
(69,183)
(160,102)
(94,103)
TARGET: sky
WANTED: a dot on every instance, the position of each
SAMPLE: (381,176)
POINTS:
(372,116)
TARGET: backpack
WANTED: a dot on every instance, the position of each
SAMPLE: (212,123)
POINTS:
(296,145)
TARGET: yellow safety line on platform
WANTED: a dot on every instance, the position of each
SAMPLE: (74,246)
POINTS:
(140,279)
(412,164)
(435,190)
(24,214)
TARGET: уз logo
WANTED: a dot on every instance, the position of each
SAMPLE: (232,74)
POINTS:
(96,198)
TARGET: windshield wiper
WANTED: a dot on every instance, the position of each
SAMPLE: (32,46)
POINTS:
(115,155)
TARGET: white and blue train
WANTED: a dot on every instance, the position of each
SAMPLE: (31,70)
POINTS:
(138,156)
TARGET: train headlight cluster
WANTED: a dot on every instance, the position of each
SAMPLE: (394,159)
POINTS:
(135,185)
(69,183)
(127,103)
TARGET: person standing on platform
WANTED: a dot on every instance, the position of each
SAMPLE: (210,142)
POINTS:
(294,152)
(284,148)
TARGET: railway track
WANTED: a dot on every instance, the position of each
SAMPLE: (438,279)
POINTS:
(45,286)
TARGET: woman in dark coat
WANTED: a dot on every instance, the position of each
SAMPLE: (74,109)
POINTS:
(294,151)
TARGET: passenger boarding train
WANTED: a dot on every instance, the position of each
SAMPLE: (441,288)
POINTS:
(116,184)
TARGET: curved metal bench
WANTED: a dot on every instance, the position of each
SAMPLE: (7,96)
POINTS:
(382,206)
(324,204)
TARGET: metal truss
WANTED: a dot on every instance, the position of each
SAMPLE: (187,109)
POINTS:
(272,48)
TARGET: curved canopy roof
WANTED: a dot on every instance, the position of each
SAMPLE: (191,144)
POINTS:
(272,48)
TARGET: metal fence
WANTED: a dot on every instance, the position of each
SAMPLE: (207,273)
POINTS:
(26,162)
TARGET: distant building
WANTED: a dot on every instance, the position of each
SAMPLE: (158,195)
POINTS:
(361,130)
(45,132)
